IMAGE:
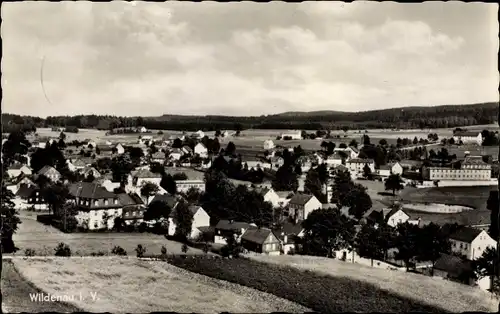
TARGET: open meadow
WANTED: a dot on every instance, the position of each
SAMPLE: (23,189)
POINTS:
(442,294)
(43,239)
(129,285)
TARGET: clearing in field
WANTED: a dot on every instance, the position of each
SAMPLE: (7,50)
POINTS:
(447,295)
(135,286)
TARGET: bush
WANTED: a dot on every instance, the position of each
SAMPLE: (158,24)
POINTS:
(62,249)
(29,252)
(118,250)
(140,250)
(163,251)
(100,253)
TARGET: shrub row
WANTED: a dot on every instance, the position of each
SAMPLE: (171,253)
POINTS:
(63,249)
(317,292)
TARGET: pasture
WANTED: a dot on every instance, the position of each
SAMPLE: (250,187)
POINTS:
(442,294)
(43,239)
(129,285)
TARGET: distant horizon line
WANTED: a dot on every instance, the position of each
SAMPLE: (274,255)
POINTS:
(243,116)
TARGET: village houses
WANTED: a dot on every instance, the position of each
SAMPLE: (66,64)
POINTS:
(50,172)
(201,150)
(17,169)
(301,205)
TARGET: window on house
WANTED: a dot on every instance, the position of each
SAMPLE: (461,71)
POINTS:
(105,202)
(115,201)
(96,203)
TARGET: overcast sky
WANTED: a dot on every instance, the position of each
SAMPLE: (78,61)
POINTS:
(245,58)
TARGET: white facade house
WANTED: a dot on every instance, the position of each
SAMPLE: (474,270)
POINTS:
(269,144)
(50,172)
(201,150)
(356,165)
(142,129)
(471,242)
(228,227)
(255,164)
(387,170)
(137,179)
(468,137)
(294,135)
(200,219)
(184,185)
(17,170)
(301,205)
(396,217)
(175,154)
(119,149)
(350,151)
(333,160)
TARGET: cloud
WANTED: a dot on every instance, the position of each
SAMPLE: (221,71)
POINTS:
(234,59)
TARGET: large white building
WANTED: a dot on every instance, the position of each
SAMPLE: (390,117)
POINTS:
(356,165)
(468,137)
(472,168)
(294,135)
(184,185)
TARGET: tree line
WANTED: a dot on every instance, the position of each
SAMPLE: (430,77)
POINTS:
(411,117)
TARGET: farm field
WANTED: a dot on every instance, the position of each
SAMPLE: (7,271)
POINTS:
(443,294)
(43,239)
(16,290)
(472,196)
(323,293)
(129,285)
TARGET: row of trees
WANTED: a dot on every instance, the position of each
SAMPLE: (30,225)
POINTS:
(426,117)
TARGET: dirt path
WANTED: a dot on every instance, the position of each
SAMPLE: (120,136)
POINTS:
(16,295)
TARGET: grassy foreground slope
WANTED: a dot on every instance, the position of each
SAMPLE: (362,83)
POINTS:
(16,292)
(114,284)
(322,293)
(447,295)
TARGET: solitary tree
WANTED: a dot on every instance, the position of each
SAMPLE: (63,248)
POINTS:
(149,189)
(394,183)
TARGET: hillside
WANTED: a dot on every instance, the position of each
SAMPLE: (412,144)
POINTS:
(444,294)
(404,118)
(128,285)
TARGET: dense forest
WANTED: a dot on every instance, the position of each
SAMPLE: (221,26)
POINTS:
(402,118)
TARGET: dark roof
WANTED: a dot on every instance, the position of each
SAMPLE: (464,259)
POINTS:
(288,229)
(189,149)
(454,265)
(144,173)
(354,149)
(21,177)
(385,167)
(256,235)
(284,194)
(158,155)
(361,161)
(165,198)
(192,208)
(46,169)
(465,234)
(25,190)
(16,166)
(89,190)
(130,199)
(235,225)
(300,199)
(474,160)
(335,156)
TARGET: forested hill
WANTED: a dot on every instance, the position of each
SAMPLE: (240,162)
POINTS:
(409,117)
